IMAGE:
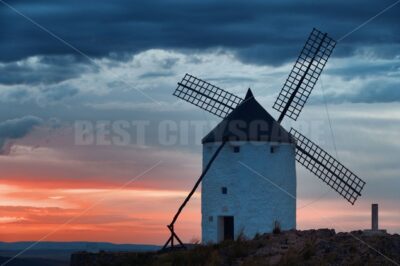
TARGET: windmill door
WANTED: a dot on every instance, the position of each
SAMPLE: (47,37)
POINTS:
(228,228)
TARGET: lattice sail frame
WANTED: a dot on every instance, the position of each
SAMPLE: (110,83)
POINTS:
(304,74)
(327,168)
(206,96)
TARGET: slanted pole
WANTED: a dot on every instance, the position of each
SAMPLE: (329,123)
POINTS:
(171,225)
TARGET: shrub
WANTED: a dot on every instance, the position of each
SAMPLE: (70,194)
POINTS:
(277,228)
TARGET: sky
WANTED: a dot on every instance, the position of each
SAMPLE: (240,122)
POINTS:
(95,147)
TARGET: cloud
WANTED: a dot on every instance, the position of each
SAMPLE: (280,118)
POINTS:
(374,92)
(257,31)
(363,78)
(57,93)
(151,75)
(39,94)
(150,107)
(47,70)
(16,128)
(116,89)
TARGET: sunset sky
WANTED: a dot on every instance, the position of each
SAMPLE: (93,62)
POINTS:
(93,67)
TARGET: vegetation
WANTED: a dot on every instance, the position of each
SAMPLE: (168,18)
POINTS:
(313,247)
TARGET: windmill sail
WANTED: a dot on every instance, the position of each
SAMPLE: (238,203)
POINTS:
(327,168)
(206,96)
(304,75)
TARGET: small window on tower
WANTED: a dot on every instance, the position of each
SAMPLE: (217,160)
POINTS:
(236,149)
(224,190)
(274,149)
(210,218)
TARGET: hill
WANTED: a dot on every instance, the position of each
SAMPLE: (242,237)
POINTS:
(311,247)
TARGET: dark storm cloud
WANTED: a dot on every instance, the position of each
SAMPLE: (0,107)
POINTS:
(373,92)
(367,69)
(43,70)
(42,96)
(156,74)
(258,31)
(17,95)
(378,93)
(16,128)
(58,93)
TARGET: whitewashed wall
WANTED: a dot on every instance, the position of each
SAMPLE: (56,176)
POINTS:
(254,201)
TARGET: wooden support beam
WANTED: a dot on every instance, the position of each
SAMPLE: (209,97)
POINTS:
(171,225)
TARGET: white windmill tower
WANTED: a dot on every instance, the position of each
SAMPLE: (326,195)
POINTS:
(233,200)
(252,185)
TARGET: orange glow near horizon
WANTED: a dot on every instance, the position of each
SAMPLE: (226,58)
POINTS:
(97,214)
(41,199)
(128,215)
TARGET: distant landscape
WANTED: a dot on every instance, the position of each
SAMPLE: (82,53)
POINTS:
(59,253)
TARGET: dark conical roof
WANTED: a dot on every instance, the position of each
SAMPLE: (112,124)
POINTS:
(249,121)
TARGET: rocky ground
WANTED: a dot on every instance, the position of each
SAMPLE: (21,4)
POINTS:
(311,247)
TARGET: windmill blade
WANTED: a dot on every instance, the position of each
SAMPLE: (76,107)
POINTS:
(206,96)
(304,75)
(327,168)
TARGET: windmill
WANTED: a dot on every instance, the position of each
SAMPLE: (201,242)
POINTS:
(234,202)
